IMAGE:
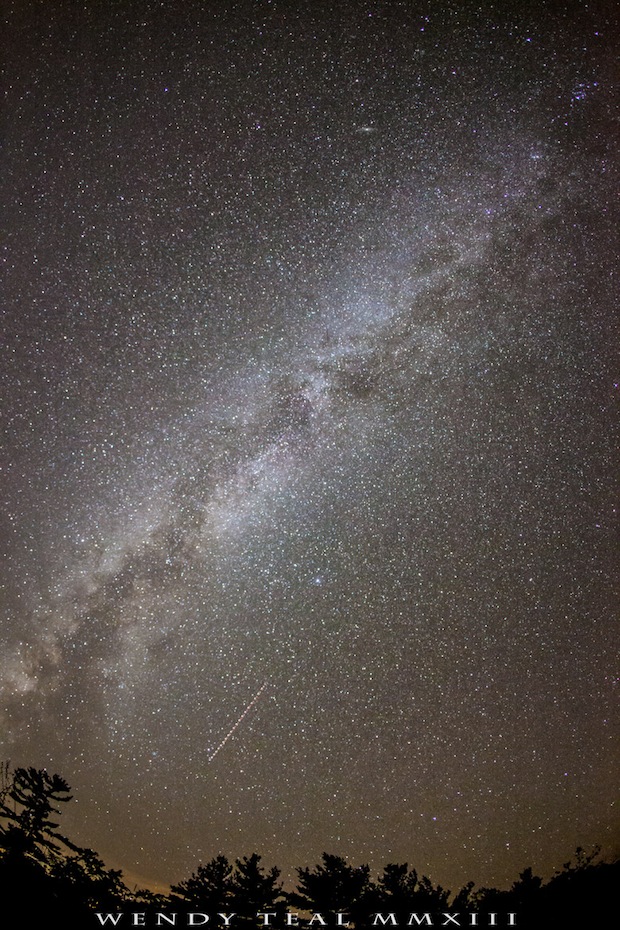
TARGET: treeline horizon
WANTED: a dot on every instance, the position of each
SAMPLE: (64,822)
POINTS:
(51,880)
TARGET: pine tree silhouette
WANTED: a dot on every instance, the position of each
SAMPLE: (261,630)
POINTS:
(255,890)
(334,886)
(210,888)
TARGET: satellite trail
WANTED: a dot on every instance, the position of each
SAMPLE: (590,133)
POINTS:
(236,724)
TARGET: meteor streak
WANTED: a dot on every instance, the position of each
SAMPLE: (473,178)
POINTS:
(237,723)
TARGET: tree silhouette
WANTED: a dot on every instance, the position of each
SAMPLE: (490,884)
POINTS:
(526,890)
(52,881)
(84,877)
(255,890)
(29,830)
(47,873)
(29,842)
(581,894)
(209,888)
(464,900)
(400,890)
(334,886)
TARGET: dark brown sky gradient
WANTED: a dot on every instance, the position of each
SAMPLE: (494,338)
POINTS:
(308,374)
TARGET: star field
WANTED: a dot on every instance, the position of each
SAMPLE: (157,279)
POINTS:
(308,385)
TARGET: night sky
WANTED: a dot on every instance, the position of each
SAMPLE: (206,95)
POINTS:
(307,369)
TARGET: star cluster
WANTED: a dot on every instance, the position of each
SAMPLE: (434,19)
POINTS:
(308,381)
